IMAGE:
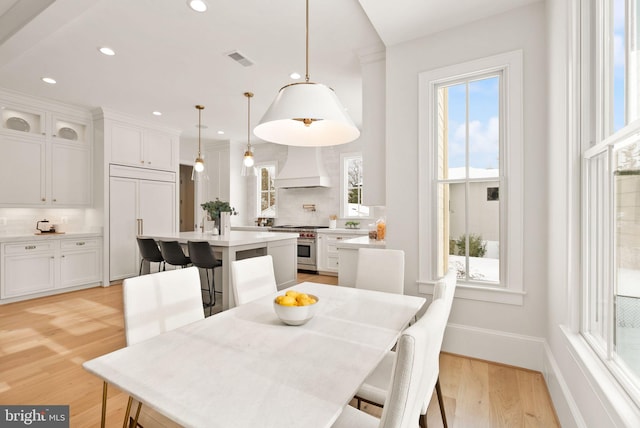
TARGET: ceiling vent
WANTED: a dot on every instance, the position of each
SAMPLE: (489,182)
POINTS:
(239,58)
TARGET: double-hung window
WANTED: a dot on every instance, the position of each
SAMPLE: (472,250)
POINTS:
(351,184)
(611,187)
(471,177)
(266,191)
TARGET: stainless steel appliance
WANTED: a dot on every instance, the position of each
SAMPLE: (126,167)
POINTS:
(307,260)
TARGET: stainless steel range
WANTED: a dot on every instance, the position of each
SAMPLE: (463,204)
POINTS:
(307,260)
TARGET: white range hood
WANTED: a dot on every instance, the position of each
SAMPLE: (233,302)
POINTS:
(303,168)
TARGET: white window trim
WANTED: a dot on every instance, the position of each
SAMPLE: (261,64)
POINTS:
(343,187)
(274,164)
(511,178)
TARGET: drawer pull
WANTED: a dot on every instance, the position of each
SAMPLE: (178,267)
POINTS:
(30,247)
(80,243)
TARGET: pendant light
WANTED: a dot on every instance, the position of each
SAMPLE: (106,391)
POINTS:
(248,162)
(198,166)
(306,114)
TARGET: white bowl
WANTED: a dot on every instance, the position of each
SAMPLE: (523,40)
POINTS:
(296,315)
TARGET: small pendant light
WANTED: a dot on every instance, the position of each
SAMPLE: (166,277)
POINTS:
(248,162)
(198,166)
(306,114)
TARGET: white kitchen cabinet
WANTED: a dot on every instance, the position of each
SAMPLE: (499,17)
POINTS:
(327,250)
(22,171)
(28,267)
(80,262)
(39,267)
(142,147)
(45,156)
(141,202)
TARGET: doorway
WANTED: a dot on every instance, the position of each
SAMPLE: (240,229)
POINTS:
(187,200)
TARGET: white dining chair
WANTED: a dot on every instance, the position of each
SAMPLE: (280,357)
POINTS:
(380,270)
(155,304)
(374,389)
(252,278)
(414,372)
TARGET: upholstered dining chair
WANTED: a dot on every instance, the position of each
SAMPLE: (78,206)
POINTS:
(413,374)
(380,270)
(374,389)
(149,252)
(252,278)
(156,303)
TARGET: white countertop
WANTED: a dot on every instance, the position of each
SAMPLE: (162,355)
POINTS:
(344,231)
(235,238)
(360,242)
(21,237)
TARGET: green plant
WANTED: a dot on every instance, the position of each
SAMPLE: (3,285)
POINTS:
(214,208)
(477,247)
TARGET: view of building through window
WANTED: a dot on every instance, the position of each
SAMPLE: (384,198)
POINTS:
(468,119)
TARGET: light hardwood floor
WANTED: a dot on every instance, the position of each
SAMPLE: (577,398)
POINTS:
(43,343)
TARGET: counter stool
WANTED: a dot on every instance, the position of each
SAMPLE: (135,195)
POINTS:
(202,256)
(173,254)
(149,252)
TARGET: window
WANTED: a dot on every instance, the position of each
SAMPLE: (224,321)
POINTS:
(471,148)
(351,184)
(611,184)
(266,190)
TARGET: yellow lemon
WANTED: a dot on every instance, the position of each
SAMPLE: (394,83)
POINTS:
(287,301)
(291,293)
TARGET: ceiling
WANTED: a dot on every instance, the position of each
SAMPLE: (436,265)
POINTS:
(170,58)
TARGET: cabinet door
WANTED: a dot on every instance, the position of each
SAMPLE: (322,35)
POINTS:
(157,207)
(28,274)
(321,259)
(70,175)
(80,267)
(22,171)
(123,248)
(158,151)
(126,145)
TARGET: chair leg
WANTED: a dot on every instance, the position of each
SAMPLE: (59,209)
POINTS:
(140,272)
(440,403)
(212,297)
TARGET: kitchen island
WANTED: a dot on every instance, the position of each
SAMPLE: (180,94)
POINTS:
(238,245)
(348,257)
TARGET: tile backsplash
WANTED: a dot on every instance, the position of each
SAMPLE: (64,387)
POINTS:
(15,221)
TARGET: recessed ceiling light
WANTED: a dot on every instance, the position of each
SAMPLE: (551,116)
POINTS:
(220,132)
(49,80)
(197,5)
(106,51)
(295,76)
(157,113)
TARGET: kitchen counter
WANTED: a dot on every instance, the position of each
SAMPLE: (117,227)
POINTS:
(344,231)
(240,245)
(348,257)
(360,242)
(21,237)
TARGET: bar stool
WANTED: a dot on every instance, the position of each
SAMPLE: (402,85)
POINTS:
(149,252)
(202,256)
(173,254)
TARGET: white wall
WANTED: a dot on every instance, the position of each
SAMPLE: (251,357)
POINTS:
(499,332)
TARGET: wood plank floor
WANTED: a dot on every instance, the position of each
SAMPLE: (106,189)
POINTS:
(43,343)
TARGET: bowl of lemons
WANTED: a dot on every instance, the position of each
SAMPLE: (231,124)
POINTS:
(294,308)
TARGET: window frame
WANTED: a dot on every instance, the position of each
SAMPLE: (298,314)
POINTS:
(510,65)
(258,167)
(344,186)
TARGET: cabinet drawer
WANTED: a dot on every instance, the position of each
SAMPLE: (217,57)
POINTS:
(78,244)
(29,247)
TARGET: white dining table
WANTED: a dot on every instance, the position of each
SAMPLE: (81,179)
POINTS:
(245,368)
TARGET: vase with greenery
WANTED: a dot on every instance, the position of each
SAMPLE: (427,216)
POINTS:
(214,208)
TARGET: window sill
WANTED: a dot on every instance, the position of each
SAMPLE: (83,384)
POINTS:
(483,294)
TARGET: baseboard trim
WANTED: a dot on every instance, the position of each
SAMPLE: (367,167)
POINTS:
(494,345)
